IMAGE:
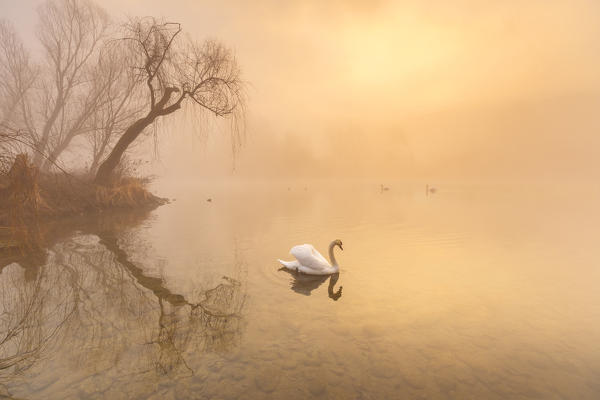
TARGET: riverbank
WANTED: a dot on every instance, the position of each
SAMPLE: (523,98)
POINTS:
(28,197)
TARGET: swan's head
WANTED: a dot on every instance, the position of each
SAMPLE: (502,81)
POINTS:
(338,243)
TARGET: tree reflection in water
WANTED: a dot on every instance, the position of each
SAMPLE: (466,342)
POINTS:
(32,313)
(85,299)
(213,324)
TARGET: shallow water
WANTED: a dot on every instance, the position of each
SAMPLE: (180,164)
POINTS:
(476,291)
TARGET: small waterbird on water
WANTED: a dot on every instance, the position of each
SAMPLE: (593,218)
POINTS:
(430,189)
(310,261)
(384,188)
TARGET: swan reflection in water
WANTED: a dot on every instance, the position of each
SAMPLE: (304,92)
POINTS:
(305,284)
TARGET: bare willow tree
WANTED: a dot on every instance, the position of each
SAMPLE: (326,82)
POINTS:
(71,32)
(174,69)
(120,106)
(17,76)
(106,85)
(50,101)
(77,115)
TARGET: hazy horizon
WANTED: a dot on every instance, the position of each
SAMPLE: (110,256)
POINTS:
(397,90)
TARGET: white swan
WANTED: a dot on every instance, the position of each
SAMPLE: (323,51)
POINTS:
(310,261)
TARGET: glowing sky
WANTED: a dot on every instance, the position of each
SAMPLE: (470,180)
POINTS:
(449,89)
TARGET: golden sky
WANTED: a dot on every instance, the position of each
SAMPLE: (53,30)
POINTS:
(448,89)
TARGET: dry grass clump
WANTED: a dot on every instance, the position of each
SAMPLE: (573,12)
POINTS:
(20,191)
(21,203)
(127,193)
(26,196)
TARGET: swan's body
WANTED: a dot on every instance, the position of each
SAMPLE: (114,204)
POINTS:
(310,261)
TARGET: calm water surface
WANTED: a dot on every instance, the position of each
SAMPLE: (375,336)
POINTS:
(475,292)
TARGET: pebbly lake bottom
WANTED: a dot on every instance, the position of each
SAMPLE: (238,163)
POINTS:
(476,291)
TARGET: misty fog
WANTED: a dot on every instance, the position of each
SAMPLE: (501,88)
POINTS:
(423,90)
(343,199)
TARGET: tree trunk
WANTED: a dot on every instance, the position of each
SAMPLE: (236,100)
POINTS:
(108,166)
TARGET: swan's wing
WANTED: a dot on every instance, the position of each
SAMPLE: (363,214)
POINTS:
(318,255)
(309,257)
(291,265)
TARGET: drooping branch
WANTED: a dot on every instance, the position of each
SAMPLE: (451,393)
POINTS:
(107,85)
(167,64)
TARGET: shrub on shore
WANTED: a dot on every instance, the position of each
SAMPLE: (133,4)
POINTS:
(27,196)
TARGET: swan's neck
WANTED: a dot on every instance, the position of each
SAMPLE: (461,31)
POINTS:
(331,255)
(332,281)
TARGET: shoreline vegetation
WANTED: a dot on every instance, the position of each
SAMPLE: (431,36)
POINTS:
(29,198)
(96,87)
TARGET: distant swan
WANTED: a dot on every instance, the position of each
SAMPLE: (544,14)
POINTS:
(310,261)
